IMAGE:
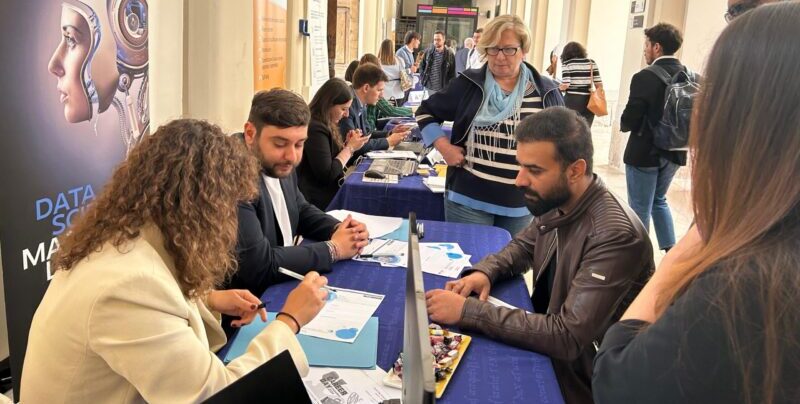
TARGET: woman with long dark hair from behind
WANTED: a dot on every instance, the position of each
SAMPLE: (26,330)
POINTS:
(720,319)
(325,154)
(578,74)
(131,314)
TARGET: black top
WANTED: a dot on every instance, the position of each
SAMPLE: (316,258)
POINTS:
(643,111)
(540,299)
(320,171)
(686,356)
(579,73)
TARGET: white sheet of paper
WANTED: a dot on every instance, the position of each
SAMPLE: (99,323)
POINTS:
(392,154)
(377,226)
(351,386)
(343,316)
(437,263)
(435,184)
(391,253)
(443,259)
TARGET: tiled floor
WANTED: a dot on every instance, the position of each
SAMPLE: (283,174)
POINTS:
(679,197)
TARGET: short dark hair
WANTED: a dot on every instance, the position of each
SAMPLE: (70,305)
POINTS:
(563,127)
(368,73)
(479,31)
(410,36)
(573,50)
(440,32)
(666,35)
(278,107)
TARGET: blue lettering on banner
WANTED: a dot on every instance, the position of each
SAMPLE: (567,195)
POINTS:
(61,209)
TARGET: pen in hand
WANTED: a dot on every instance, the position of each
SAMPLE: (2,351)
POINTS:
(299,277)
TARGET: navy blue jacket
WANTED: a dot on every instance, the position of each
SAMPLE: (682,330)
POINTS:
(357,119)
(460,102)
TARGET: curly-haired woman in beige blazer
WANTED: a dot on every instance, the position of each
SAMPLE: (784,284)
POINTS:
(131,314)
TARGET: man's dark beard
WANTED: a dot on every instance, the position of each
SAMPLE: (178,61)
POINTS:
(266,168)
(538,205)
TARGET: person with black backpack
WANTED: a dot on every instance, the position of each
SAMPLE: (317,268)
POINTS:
(649,169)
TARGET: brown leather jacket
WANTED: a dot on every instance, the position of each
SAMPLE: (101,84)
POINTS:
(603,259)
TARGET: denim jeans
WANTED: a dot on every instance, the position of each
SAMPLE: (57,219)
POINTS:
(647,196)
(456,212)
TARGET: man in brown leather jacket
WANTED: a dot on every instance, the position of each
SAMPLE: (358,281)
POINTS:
(589,253)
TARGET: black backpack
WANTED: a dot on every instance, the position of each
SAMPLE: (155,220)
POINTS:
(672,130)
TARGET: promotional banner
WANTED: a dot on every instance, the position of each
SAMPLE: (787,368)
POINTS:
(75,82)
(269,44)
(318,43)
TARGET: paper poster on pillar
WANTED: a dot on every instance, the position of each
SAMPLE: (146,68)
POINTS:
(269,43)
(76,102)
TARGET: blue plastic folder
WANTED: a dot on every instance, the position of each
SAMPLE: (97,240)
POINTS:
(362,353)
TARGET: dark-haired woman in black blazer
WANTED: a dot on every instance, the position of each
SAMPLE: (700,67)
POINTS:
(325,155)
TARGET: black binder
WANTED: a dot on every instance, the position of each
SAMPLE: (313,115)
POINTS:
(276,381)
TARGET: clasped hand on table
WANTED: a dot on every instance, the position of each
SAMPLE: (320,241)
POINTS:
(445,306)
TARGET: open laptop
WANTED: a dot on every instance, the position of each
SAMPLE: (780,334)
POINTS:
(419,385)
(416,147)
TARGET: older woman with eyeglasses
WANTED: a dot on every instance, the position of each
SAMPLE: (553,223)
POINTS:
(485,106)
(739,7)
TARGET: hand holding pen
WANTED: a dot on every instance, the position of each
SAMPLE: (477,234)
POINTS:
(237,302)
(305,301)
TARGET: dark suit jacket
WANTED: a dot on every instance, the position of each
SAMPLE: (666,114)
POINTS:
(257,246)
(319,172)
(643,111)
(461,59)
(357,119)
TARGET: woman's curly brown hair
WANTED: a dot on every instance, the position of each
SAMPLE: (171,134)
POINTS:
(186,179)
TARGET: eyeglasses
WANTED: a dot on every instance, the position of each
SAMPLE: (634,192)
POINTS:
(737,10)
(494,51)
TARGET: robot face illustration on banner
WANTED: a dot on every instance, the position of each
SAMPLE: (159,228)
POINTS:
(103,50)
(84,61)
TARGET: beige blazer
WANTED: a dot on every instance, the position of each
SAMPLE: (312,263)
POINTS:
(117,329)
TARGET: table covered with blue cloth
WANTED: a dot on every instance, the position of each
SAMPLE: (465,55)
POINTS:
(397,200)
(490,372)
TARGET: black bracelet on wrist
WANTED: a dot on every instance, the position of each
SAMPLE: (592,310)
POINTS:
(297,323)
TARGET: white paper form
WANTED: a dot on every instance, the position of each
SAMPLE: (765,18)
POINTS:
(392,154)
(377,226)
(352,386)
(344,315)
(443,259)
(435,184)
(388,253)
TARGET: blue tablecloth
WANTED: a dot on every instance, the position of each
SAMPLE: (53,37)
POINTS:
(408,195)
(491,372)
